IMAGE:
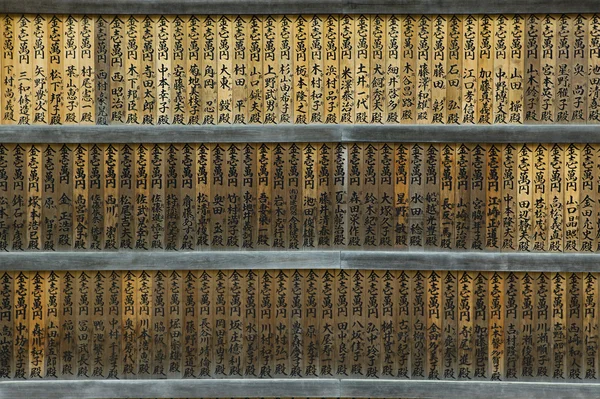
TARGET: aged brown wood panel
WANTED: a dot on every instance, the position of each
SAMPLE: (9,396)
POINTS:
(303,69)
(299,196)
(368,324)
(299,323)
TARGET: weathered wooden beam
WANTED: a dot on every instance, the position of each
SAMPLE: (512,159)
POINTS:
(479,261)
(221,388)
(298,7)
(466,389)
(270,388)
(209,260)
(473,133)
(377,260)
(170,134)
(301,133)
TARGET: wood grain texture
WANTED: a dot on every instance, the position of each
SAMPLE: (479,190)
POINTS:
(309,196)
(287,6)
(165,69)
(183,324)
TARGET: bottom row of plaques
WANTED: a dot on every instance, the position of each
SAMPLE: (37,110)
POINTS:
(446,325)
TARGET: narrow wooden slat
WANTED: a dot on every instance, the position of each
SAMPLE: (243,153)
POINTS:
(542,348)
(128,364)
(141,205)
(555,198)
(190,324)
(211,294)
(332,72)
(449,328)
(173,200)
(517,66)
(110,186)
(101,67)
(316,75)
(347,60)
(87,56)
(240,72)
(39,99)
(174,308)
(540,181)
(485,70)
(163,70)
(526,207)
(35,170)
(9,57)
(8,318)
(135,52)
(24,69)
(593,111)
(408,69)
(580,65)
(284,56)
(179,90)
(160,325)
(564,69)
(235,353)
(83,326)
(548,68)
(282,332)
(117,111)
(96,197)
(251,338)
(81,204)
(502,55)
(432,197)
(378,44)
(264,198)
(462,198)
(148,96)
(187,178)
(434,325)
(590,340)
(470,69)
(225,71)
(256,73)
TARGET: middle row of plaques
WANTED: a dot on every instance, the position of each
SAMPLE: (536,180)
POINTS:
(300,196)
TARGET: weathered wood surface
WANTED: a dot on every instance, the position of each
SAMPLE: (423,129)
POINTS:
(323,68)
(283,260)
(292,7)
(206,389)
(301,196)
(252,211)
(187,324)
(124,319)
(320,133)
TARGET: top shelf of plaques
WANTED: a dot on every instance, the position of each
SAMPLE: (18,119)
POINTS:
(340,69)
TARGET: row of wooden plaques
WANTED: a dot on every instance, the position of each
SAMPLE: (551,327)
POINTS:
(300,69)
(300,196)
(299,324)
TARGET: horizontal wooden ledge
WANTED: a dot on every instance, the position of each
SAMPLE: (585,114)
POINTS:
(467,389)
(375,260)
(221,388)
(208,260)
(301,133)
(298,7)
(332,388)
(472,133)
(170,134)
(471,261)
